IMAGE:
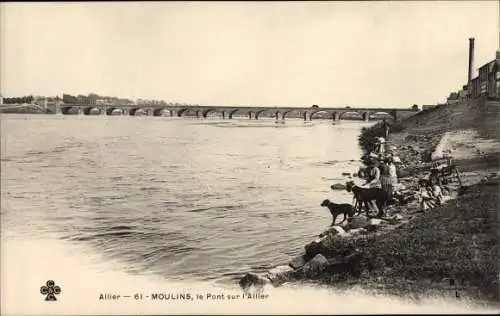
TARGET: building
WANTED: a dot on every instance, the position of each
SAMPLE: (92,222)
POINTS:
(453,98)
(487,83)
(462,94)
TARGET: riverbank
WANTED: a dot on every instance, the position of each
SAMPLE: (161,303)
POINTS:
(24,109)
(450,250)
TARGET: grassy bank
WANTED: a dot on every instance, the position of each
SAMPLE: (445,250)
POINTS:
(457,241)
(24,110)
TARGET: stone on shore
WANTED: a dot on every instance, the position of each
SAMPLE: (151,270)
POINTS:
(358,231)
(336,230)
(356,222)
(280,274)
(298,262)
(320,246)
(315,267)
(332,231)
(374,224)
(375,221)
(251,279)
(338,186)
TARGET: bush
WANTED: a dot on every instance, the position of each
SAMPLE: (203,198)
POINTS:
(369,135)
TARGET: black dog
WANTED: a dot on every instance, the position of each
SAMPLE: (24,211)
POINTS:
(337,209)
(365,195)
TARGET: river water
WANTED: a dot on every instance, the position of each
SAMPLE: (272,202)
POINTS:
(135,203)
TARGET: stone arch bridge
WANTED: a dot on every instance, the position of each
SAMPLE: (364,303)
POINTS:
(229,112)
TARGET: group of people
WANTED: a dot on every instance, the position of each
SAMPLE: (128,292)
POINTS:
(381,172)
(431,194)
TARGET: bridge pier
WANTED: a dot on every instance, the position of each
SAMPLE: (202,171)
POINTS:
(125,111)
(307,115)
(223,114)
(366,116)
(336,116)
(57,108)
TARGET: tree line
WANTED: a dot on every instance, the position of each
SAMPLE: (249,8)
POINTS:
(92,98)
(18,100)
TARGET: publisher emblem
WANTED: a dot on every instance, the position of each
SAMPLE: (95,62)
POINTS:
(50,289)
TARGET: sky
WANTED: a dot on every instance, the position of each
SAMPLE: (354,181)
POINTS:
(359,54)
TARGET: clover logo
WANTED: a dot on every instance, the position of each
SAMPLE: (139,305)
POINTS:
(51,290)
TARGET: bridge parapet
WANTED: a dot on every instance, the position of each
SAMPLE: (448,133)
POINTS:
(334,113)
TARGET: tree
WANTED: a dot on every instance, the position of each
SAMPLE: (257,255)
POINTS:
(69,99)
(415,108)
(315,106)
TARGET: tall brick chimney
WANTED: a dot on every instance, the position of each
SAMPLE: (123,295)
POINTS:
(471,62)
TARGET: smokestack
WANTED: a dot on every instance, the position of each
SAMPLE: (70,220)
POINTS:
(471,62)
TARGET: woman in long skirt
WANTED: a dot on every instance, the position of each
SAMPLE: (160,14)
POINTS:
(388,178)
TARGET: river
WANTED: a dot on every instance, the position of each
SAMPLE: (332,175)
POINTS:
(194,203)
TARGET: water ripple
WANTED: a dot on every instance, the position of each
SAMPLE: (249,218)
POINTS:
(179,200)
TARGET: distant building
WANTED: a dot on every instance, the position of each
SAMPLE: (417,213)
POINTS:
(487,83)
(40,101)
(427,106)
(462,94)
(453,98)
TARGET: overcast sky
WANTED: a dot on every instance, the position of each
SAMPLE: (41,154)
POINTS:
(246,53)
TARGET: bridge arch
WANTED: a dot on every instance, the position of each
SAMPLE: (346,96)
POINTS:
(211,110)
(186,111)
(350,114)
(133,111)
(257,113)
(232,112)
(109,111)
(70,109)
(160,112)
(321,111)
(299,113)
(383,115)
(88,110)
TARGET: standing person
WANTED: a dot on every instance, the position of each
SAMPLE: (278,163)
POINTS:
(388,177)
(373,181)
(380,147)
(373,174)
(385,126)
(393,171)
